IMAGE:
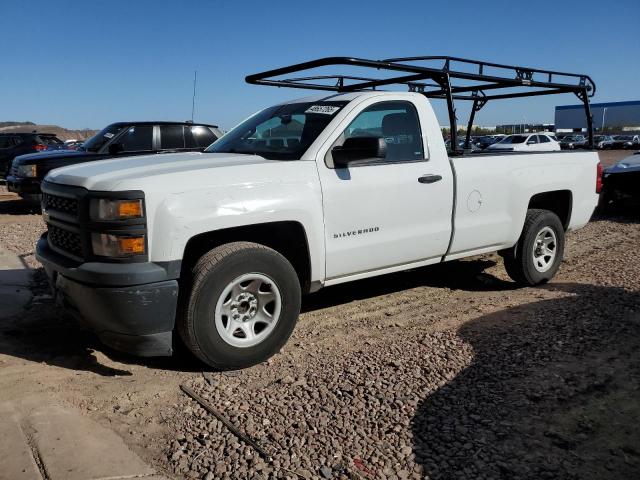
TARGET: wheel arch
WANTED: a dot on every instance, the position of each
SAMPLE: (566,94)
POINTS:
(559,202)
(288,238)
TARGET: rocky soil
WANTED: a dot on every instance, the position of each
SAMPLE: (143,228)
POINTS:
(494,383)
(442,372)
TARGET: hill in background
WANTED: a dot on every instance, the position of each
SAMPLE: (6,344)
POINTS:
(61,132)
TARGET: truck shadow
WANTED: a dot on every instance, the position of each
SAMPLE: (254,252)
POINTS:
(619,214)
(46,333)
(468,275)
(552,392)
(18,206)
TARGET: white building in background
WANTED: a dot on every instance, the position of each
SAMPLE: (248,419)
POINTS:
(613,116)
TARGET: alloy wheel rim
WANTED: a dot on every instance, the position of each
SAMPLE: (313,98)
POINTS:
(248,310)
(544,249)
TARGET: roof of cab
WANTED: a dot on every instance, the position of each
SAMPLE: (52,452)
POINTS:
(344,97)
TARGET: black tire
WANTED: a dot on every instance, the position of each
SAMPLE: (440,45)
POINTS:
(213,272)
(519,261)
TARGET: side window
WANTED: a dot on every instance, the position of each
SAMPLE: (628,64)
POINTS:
(137,138)
(5,142)
(17,140)
(198,136)
(544,139)
(533,139)
(397,123)
(171,137)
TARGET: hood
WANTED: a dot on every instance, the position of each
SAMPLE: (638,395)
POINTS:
(32,158)
(135,171)
(628,164)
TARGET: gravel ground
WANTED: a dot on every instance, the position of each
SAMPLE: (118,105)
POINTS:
(441,372)
(541,390)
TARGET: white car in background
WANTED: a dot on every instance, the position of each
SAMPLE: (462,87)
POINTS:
(527,142)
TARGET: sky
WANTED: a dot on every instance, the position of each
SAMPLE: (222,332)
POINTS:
(82,64)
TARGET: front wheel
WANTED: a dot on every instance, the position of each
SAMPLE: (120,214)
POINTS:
(243,305)
(537,256)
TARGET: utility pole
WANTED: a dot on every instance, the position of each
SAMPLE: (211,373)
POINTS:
(604,114)
(193,100)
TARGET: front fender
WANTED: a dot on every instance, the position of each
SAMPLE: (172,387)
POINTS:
(178,217)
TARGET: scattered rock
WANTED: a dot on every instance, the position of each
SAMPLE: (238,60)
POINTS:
(326,472)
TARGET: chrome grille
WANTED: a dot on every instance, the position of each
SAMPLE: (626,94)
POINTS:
(65,240)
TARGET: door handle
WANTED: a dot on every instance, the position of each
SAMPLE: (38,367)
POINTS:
(429,178)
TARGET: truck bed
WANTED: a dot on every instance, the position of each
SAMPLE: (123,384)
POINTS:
(486,183)
(491,153)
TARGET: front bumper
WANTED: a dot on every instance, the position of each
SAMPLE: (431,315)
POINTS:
(131,306)
(27,188)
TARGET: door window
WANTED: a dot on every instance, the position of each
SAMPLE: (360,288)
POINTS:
(171,137)
(544,139)
(397,123)
(198,136)
(5,142)
(533,139)
(137,138)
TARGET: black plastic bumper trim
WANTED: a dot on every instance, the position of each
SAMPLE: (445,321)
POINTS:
(137,319)
(20,185)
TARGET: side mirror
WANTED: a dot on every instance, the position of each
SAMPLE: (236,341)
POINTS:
(358,148)
(116,148)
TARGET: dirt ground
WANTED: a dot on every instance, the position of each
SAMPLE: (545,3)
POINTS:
(556,368)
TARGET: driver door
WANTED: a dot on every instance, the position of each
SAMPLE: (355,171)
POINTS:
(384,212)
(532,143)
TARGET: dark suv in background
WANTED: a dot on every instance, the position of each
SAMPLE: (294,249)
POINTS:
(15,144)
(118,139)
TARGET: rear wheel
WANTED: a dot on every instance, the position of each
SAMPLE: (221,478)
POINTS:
(243,305)
(538,254)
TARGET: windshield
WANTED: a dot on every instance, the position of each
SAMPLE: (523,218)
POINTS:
(283,132)
(96,142)
(514,139)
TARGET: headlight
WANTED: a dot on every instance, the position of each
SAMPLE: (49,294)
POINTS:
(110,245)
(107,209)
(27,170)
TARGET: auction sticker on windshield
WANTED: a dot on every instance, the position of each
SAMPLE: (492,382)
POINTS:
(323,109)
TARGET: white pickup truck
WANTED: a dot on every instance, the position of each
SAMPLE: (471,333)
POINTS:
(306,194)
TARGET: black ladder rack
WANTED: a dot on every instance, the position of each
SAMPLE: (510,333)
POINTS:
(447,78)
